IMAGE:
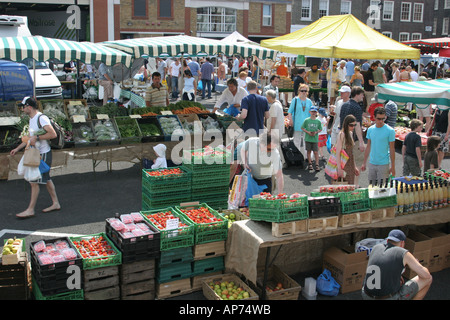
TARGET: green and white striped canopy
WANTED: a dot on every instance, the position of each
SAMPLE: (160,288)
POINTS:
(42,49)
(174,45)
(421,93)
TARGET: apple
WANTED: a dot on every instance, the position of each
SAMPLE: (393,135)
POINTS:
(245,294)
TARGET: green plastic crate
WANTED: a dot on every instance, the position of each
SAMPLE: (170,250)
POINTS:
(180,255)
(357,194)
(173,272)
(99,262)
(177,238)
(162,184)
(71,295)
(225,157)
(208,265)
(282,215)
(122,123)
(278,204)
(355,206)
(383,202)
(161,202)
(207,232)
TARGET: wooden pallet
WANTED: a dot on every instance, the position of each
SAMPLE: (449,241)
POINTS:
(353,219)
(102,283)
(209,250)
(173,288)
(323,224)
(289,228)
(137,280)
(382,214)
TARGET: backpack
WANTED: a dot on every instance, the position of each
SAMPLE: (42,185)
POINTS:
(58,142)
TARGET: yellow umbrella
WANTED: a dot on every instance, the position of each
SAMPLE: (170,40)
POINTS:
(341,36)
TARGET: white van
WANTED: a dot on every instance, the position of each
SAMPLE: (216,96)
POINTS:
(47,84)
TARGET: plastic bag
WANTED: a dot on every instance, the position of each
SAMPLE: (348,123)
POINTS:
(368,244)
(252,188)
(326,285)
(32,173)
(329,144)
(20,168)
(44,167)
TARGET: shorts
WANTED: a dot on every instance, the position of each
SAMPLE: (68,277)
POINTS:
(312,146)
(425,113)
(407,291)
(45,177)
(411,166)
(444,146)
(323,140)
(378,172)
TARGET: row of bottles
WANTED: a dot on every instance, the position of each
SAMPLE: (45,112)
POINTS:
(428,195)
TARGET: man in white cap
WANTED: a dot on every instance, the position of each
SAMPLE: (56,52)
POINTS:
(345,92)
(387,261)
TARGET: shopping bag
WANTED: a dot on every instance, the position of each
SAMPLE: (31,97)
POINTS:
(32,173)
(43,167)
(329,144)
(20,168)
(31,156)
(252,188)
(331,166)
(326,285)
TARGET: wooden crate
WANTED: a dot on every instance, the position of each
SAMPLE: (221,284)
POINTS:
(173,288)
(137,280)
(353,219)
(102,283)
(14,280)
(210,294)
(323,224)
(289,228)
(196,282)
(382,214)
(291,289)
(209,250)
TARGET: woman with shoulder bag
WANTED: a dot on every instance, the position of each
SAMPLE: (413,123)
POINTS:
(39,139)
(345,142)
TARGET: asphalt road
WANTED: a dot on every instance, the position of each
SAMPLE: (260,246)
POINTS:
(87,198)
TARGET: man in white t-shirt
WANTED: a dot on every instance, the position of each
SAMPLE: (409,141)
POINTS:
(38,138)
(174,71)
(276,120)
(345,97)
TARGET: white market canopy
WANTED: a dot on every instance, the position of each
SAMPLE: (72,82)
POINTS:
(421,93)
(193,46)
(43,49)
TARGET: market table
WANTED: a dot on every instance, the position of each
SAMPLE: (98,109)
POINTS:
(247,237)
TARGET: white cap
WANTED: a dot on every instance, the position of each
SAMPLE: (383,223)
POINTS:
(345,89)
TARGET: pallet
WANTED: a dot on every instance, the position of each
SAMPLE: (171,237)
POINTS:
(137,280)
(323,224)
(102,283)
(382,214)
(173,289)
(353,219)
(289,228)
(209,250)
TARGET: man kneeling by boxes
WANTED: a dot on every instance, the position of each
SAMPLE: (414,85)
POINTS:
(384,272)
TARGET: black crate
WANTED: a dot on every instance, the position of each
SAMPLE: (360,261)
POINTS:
(14,281)
(55,283)
(136,248)
(150,120)
(324,206)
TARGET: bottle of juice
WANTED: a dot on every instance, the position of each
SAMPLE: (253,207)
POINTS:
(412,200)
(415,193)
(440,195)
(434,201)
(406,201)
(400,202)
(421,197)
(426,197)
(445,190)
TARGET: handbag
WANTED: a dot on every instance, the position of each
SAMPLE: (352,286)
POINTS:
(326,285)
(31,156)
(44,167)
(331,167)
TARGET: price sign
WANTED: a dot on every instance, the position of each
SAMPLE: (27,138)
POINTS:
(172,224)
(166,113)
(78,118)
(135,116)
(102,116)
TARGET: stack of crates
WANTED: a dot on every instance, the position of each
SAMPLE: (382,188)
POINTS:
(173,265)
(54,266)
(279,210)
(351,201)
(165,190)
(210,175)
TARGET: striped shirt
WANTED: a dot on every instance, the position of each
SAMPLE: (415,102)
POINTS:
(157,96)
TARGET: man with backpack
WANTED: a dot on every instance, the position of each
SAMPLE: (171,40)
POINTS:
(40,135)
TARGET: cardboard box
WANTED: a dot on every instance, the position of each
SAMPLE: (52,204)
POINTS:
(440,244)
(347,267)
(417,242)
(424,259)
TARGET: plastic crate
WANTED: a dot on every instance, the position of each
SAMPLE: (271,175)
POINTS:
(383,202)
(355,206)
(278,204)
(180,255)
(137,248)
(109,130)
(357,194)
(169,132)
(180,237)
(206,156)
(166,183)
(83,134)
(71,295)
(324,206)
(143,122)
(208,265)
(282,215)
(206,232)
(99,262)
(173,272)
(128,137)
(154,203)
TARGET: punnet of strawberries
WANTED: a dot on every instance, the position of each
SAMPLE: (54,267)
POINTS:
(201,215)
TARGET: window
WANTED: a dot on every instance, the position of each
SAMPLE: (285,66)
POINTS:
(306,10)
(140,8)
(387,34)
(434,26)
(216,19)
(323,8)
(388,10)
(346,7)
(418,12)
(447,4)
(165,9)
(267,15)
(405,13)
(416,36)
(436,4)
(374,10)
(403,36)
(445,26)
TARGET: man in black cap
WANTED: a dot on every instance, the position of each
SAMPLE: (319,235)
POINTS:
(387,261)
(39,134)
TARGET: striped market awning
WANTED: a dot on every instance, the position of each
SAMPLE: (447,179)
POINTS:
(43,49)
(193,46)
(421,93)
(430,46)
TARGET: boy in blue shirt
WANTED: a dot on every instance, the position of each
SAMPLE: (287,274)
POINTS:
(380,148)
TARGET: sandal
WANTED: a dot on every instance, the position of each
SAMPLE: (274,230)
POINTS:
(310,167)
(317,168)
